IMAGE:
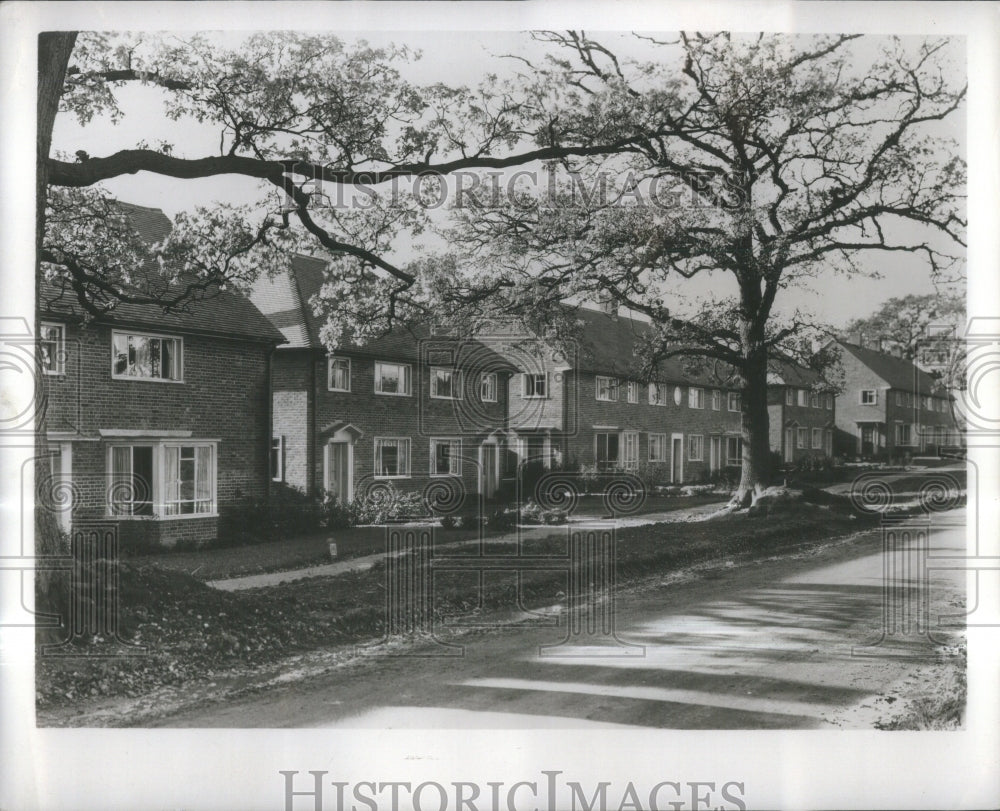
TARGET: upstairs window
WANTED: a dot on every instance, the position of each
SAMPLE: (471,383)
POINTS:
(488,387)
(716,400)
(51,348)
(813,399)
(446,384)
(632,391)
(802,397)
(696,397)
(829,402)
(145,357)
(534,384)
(789,396)
(607,389)
(657,394)
(392,378)
(869,397)
(734,401)
(339,374)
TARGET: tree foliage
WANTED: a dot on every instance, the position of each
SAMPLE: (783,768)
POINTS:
(758,162)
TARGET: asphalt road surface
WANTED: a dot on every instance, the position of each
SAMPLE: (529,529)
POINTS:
(799,642)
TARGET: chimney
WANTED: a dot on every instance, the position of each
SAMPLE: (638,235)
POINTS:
(607,304)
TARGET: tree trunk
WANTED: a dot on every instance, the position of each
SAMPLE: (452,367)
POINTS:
(755,428)
(54,49)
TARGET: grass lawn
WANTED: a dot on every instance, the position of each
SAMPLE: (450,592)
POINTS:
(193,631)
(307,550)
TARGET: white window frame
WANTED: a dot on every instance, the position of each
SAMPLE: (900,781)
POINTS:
(611,383)
(928,403)
(158,485)
(534,376)
(801,398)
(817,439)
(629,450)
(789,396)
(801,438)
(693,454)
(632,391)
(731,398)
(407,379)
(456,383)
(177,341)
(59,350)
(716,400)
(658,394)
(814,400)
(653,439)
(696,397)
(454,458)
(483,388)
(280,448)
(864,392)
(829,402)
(329,373)
(381,440)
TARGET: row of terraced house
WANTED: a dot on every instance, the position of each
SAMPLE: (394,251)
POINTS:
(165,421)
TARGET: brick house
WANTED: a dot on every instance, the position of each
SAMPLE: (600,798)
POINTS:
(591,406)
(889,408)
(801,412)
(157,421)
(411,408)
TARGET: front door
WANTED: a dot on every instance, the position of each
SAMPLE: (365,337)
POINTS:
(339,471)
(489,470)
(789,444)
(676,457)
(867,440)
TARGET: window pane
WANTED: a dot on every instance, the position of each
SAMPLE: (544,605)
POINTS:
(142,480)
(120,354)
(203,479)
(168,371)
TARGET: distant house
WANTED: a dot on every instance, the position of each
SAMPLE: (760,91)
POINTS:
(157,421)
(607,412)
(407,409)
(889,408)
(801,412)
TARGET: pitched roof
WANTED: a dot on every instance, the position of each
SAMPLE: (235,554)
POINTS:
(785,373)
(286,300)
(608,344)
(899,373)
(225,313)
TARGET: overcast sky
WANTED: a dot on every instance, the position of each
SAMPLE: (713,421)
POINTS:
(453,58)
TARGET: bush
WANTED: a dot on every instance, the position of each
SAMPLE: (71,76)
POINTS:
(448,522)
(501,519)
(52,586)
(385,505)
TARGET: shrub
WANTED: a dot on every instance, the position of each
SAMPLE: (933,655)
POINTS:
(501,518)
(387,504)
(448,522)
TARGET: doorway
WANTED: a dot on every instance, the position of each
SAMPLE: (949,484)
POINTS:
(339,471)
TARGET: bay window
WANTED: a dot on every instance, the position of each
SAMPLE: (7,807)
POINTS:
(166,479)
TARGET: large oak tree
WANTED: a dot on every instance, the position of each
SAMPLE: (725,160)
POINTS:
(755,162)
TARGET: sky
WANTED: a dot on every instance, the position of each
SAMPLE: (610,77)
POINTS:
(457,59)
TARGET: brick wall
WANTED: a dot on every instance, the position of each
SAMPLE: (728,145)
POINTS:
(671,418)
(808,417)
(417,416)
(223,397)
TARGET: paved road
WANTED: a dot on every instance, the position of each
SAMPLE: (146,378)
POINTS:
(770,645)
